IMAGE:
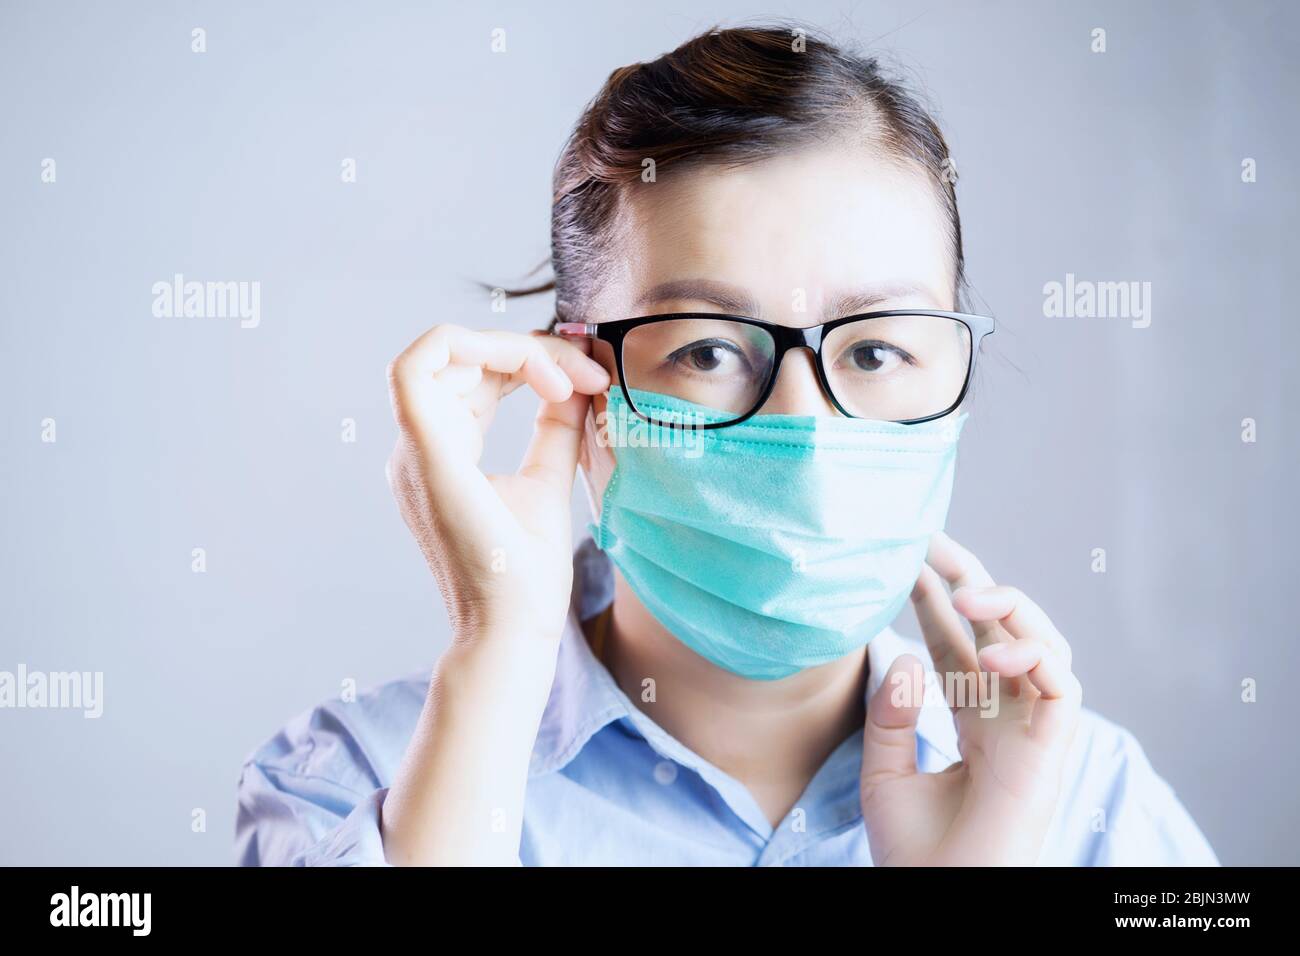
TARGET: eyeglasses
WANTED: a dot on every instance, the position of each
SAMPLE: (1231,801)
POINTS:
(905,366)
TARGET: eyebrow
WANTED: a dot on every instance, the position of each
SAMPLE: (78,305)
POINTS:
(720,294)
(869,298)
(738,302)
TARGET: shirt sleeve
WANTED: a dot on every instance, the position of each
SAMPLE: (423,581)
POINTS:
(313,794)
(292,819)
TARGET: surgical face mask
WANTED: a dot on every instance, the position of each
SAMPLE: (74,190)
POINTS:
(778,543)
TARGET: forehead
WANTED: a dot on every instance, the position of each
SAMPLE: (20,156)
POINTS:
(816,223)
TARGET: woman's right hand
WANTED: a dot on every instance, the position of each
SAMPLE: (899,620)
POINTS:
(500,548)
(498,545)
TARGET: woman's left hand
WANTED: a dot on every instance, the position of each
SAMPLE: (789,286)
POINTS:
(993,806)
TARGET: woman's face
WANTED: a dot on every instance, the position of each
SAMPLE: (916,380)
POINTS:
(795,240)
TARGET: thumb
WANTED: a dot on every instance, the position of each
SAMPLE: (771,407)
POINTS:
(552,455)
(889,740)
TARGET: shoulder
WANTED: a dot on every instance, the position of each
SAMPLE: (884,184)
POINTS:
(1116,809)
(355,744)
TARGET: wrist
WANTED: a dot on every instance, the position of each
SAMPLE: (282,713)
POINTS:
(511,668)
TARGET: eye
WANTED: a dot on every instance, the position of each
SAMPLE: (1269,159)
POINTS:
(875,358)
(710,355)
(705,358)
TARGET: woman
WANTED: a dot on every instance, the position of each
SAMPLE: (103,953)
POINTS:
(757,367)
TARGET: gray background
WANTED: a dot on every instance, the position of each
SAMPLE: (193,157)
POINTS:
(175,434)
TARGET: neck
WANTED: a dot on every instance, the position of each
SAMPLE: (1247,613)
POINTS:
(772,736)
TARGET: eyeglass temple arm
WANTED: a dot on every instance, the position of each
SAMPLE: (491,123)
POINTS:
(575,328)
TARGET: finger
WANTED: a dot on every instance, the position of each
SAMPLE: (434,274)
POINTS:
(552,454)
(960,568)
(509,353)
(584,374)
(431,352)
(438,449)
(1060,694)
(525,357)
(889,740)
(957,565)
(453,364)
(1019,616)
(573,356)
(945,637)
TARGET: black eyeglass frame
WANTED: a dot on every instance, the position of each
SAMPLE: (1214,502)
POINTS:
(784,338)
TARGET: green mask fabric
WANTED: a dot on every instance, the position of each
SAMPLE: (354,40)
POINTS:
(776,544)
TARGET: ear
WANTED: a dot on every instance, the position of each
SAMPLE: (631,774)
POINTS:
(596,456)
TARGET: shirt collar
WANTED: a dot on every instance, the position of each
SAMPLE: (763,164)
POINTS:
(585,698)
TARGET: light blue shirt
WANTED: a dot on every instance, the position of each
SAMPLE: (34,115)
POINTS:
(607,786)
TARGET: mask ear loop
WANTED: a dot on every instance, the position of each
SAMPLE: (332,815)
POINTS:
(594,458)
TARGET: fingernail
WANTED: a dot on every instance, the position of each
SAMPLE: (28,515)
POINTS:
(994,652)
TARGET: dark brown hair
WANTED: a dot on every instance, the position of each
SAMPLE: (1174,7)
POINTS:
(727,96)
